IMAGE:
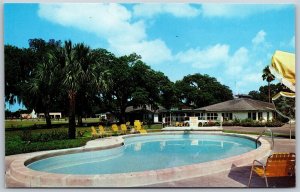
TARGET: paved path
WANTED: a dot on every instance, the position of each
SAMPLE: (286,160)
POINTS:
(239,176)
(284,130)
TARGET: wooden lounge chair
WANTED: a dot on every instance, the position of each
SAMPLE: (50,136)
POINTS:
(123,128)
(115,129)
(277,165)
(138,127)
(95,134)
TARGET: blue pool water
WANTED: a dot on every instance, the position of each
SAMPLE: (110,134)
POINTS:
(149,152)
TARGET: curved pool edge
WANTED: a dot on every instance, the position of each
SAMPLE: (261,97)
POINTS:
(31,178)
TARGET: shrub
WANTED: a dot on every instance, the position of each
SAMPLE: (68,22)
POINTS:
(50,136)
(228,123)
(210,124)
(247,121)
(274,124)
(26,135)
(252,123)
(81,133)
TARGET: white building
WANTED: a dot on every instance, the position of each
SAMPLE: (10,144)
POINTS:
(52,115)
(33,114)
(239,108)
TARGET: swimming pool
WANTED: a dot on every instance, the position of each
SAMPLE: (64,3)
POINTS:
(113,148)
(150,152)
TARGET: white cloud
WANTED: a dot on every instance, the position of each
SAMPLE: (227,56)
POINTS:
(204,58)
(149,10)
(248,79)
(259,38)
(112,22)
(237,62)
(237,10)
(153,52)
(214,56)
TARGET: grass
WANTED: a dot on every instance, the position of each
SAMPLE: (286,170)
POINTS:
(24,139)
(25,123)
(29,123)
(40,123)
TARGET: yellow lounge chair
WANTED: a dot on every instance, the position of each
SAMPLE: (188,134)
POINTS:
(278,165)
(94,132)
(178,124)
(115,129)
(102,131)
(123,128)
(138,127)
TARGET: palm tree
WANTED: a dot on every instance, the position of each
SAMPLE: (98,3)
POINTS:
(72,72)
(267,75)
(42,87)
(80,70)
(40,90)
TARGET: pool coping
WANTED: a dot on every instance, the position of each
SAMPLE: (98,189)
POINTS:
(18,171)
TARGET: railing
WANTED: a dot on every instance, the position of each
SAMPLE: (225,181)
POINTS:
(272,137)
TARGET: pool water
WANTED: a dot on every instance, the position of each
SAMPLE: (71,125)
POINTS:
(150,152)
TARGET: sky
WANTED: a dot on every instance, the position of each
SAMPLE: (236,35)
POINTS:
(231,42)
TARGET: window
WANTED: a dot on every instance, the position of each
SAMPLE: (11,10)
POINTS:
(259,115)
(254,116)
(212,116)
(201,116)
(249,116)
(227,116)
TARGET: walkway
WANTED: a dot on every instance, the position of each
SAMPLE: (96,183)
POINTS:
(239,176)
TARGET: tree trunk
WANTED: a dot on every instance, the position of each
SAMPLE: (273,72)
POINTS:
(79,113)
(79,121)
(47,112)
(72,122)
(48,119)
(122,115)
(269,92)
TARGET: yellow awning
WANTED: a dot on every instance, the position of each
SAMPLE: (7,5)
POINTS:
(283,68)
(285,94)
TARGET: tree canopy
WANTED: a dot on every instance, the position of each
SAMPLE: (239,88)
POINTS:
(77,80)
(283,104)
(201,90)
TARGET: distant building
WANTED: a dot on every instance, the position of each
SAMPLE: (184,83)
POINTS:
(239,108)
(147,113)
(33,114)
(53,115)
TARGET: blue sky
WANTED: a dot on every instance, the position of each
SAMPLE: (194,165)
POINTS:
(232,42)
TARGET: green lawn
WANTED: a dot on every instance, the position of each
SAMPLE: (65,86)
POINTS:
(22,139)
(17,123)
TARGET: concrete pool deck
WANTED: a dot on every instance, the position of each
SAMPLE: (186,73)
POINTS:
(232,172)
(238,176)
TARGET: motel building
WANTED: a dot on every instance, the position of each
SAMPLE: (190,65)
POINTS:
(239,108)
